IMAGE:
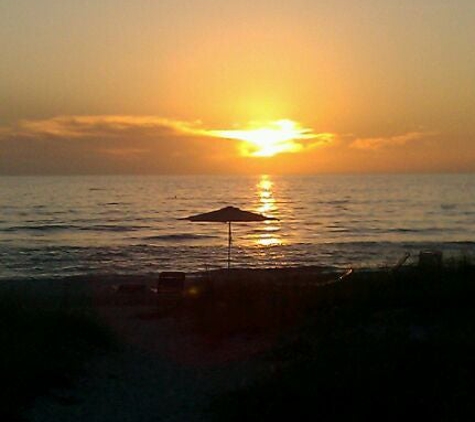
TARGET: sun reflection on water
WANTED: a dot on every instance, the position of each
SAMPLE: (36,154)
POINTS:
(269,231)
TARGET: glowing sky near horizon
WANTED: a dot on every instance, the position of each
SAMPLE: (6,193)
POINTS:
(177,86)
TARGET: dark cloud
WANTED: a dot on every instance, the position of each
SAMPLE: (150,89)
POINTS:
(108,144)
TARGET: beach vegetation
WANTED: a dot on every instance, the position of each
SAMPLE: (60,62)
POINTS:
(380,346)
(44,347)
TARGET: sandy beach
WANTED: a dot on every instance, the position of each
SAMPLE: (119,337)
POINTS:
(175,361)
(171,361)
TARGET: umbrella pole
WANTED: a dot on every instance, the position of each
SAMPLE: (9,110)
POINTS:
(229,245)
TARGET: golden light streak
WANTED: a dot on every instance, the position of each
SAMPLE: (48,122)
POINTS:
(267,205)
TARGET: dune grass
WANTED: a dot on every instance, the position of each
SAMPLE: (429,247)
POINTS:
(44,346)
(378,346)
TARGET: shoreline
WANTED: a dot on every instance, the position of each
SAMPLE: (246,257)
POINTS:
(56,262)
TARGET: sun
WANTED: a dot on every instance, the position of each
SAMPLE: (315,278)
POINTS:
(267,140)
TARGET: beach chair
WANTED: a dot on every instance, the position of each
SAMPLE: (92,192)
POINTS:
(430,260)
(395,269)
(346,274)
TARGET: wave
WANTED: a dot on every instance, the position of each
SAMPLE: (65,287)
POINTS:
(180,237)
(72,227)
(54,261)
(39,228)
(338,202)
(447,206)
(268,229)
(113,228)
(339,230)
(422,230)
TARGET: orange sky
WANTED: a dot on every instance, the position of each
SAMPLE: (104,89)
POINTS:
(181,86)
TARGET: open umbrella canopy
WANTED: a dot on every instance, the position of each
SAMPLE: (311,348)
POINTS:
(228,215)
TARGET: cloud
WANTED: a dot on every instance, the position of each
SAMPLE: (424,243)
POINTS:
(110,145)
(113,144)
(391,141)
(280,136)
(125,135)
(123,152)
(322,139)
(77,127)
(271,138)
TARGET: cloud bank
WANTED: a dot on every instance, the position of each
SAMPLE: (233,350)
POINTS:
(127,138)
(106,144)
(391,141)
(76,127)
(121,144)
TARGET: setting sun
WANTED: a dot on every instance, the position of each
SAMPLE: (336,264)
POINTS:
(269,139)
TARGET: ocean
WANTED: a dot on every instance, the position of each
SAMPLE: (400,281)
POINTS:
(130,225)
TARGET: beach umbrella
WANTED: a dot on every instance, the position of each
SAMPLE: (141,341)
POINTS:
(228,215)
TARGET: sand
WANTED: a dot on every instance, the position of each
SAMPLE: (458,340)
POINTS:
(173,361)
(166,369)
(144,385)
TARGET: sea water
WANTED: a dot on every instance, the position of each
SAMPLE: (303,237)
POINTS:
(82,225)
